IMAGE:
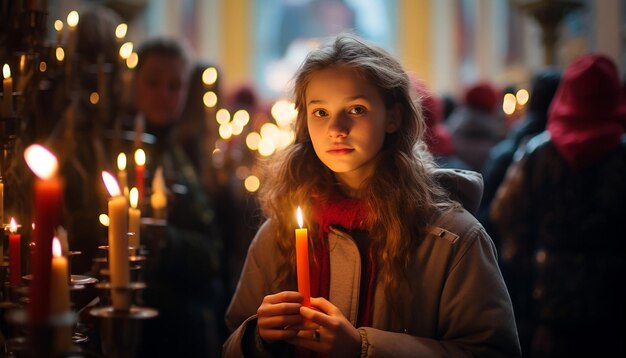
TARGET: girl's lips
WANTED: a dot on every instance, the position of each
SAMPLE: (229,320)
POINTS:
(340,151)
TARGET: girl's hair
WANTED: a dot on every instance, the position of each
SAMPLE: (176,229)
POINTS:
(402,195)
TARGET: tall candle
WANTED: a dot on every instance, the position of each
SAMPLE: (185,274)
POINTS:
(7,85)
(72,22)
(1,206)
(47,208)
(140,170)
(158,198)
(302,261)
(60,296)
(122,177)
(134,219)
(15,269)
(119,273)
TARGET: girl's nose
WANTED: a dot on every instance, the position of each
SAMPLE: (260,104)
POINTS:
(339,126)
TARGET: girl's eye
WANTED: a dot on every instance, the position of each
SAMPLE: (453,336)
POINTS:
(319,113)
(357,110)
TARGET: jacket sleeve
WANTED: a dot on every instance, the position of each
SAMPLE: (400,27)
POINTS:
(475,312)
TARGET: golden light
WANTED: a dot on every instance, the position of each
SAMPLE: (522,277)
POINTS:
(284,112)
(58,25)
(41,161)
(94,98)
(13,226)
(269,131)
(266,147)
(56,247)
(72,18)
(252,183)
(121,161)
(252,140)
(241,117)
(104,219)
(126,50)
(209,99)
(140,157)
(509,103)
(60,53)
(209,76)
(43,66)
(111,184)
(522,97)
(6,71)
(222,116)
(120,31)
(134,197)
(226,130)
(299,217)
(132,60)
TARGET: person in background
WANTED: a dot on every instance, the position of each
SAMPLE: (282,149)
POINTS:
(397,269)
(560,213)
(544,86)
(476,125)
(183,273)
(437,137)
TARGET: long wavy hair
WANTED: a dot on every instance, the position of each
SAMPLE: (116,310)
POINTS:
(402,194)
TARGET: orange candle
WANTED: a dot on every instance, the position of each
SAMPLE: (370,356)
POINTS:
(140,169)
(302,261)
(15,269)
(7,84)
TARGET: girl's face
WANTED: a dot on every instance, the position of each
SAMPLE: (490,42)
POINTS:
(347,121)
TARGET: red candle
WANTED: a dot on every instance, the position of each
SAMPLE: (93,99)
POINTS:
(302,261)
(47,211)
(140,169)
(15,269)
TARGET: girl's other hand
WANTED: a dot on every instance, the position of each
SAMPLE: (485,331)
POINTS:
(334,335)
(278,317)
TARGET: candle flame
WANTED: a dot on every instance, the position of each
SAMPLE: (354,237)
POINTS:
(41,161)
(299,217)
(6,70)
(140,157)
(56,247)
(104,219)
(111,184)
(58,25)
(132,60)
(121,161)
(120,31)
(13,226)
(126,50)
(72,18)
(134,197)
(209,76)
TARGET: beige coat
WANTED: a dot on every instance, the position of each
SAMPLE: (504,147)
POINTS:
(458,301)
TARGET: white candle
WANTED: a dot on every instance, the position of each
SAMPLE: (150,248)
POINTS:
(122,176)
(158,199)
(134,219)
(60,296)
(7,85)
(118,245)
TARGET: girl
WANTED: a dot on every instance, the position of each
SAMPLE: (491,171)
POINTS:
(397,269)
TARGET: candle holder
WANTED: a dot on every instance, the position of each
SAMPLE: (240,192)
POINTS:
(51,338)
(120,331)
(130,293)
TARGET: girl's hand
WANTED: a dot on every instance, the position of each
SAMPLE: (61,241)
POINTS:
(335,336)
(278,317)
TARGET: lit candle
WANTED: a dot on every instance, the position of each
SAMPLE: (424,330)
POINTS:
(48,189)
(140,170)
(158,199)
(122,177)
(15,269)
(60,296)
(134,219)
(1,207)
(119,273)
(7,85)
(58,26)
(302,261)
(72,22)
